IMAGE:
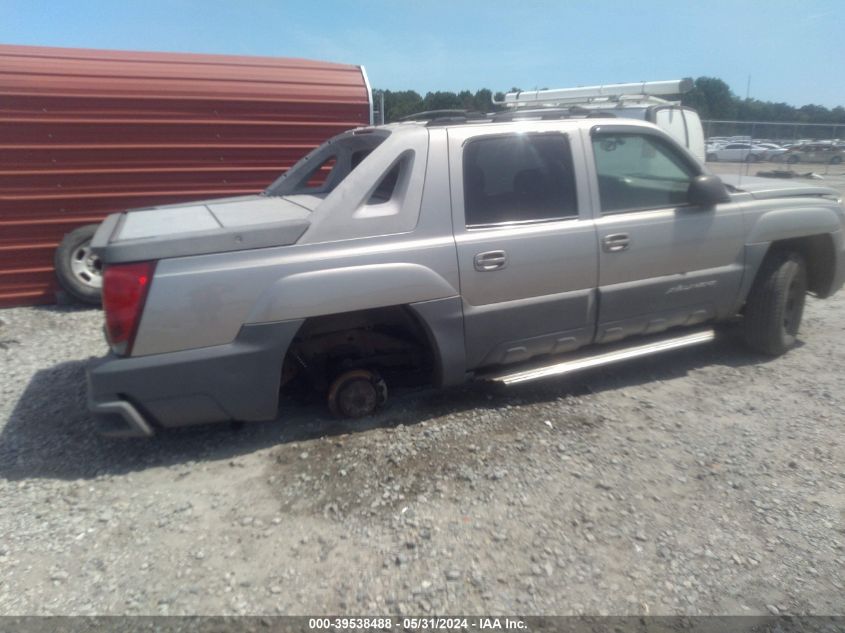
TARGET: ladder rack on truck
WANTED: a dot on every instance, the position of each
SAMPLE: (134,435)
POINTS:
(641,92)
(645,100)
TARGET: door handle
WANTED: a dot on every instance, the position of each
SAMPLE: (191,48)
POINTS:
(490,260)
(616,242)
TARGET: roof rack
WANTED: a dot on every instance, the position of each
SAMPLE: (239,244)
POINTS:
(644,92)
(441,117)
(545,114)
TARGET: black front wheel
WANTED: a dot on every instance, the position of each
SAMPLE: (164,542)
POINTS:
(78,269)
(776,304)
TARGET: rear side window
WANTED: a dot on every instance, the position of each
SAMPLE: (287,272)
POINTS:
(639,171)
(518,178)
(317,176)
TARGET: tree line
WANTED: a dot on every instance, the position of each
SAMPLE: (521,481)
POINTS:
(712,98)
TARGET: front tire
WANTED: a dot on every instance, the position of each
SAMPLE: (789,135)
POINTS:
(776,304)
(80,271)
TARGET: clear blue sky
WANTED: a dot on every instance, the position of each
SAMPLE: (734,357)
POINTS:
(794,51)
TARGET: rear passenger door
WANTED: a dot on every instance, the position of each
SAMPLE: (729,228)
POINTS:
(663,262)
(526,243)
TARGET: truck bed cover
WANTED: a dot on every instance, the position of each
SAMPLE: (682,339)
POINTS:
(213,226)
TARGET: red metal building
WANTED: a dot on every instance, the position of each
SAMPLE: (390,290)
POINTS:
(84,133)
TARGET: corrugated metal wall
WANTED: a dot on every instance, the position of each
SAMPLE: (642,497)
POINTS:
(84,133)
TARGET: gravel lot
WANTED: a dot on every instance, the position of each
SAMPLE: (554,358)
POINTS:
(707,481)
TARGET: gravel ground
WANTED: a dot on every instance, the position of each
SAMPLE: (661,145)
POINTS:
(827,175)
(708,481)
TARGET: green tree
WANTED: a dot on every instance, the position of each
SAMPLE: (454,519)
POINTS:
(812,113)
(482,101)
(441,100)
(401,104)
(712,98)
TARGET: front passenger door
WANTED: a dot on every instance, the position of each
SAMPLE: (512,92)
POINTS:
(662,261)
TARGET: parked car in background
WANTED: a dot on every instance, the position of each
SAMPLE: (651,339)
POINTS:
(747,152)
(772,150)
(828,153)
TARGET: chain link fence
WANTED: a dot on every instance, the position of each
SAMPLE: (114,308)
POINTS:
(775,132)
(816,147)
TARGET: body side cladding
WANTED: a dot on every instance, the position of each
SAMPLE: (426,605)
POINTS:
(443,322)
(548,324)
(754,256)
(824,254)
(781,227)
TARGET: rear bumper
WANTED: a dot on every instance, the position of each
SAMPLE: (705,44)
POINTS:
(131,397)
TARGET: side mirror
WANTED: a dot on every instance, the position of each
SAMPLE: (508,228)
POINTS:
(707,191)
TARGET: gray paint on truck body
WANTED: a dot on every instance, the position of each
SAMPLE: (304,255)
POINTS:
(210,307)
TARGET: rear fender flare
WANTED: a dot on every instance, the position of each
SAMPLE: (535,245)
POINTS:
(336,290)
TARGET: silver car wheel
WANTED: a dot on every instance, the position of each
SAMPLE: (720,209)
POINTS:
(86,266)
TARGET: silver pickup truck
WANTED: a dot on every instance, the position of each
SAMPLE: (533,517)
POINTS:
(446,250)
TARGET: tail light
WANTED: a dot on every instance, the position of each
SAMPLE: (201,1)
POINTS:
(125,288)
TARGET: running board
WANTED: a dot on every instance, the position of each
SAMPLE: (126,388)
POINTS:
(615,355)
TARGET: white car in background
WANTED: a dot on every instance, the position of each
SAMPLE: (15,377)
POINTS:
(773,150)
(747,152)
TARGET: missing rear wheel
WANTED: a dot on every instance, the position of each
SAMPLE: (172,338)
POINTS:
(357,394)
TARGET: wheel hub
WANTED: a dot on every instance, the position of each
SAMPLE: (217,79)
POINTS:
(357,394)
(87,267)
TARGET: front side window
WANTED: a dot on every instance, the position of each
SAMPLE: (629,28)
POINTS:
(518,178)
(639,171)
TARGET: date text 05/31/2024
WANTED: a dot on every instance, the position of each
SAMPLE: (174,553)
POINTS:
(414,624)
